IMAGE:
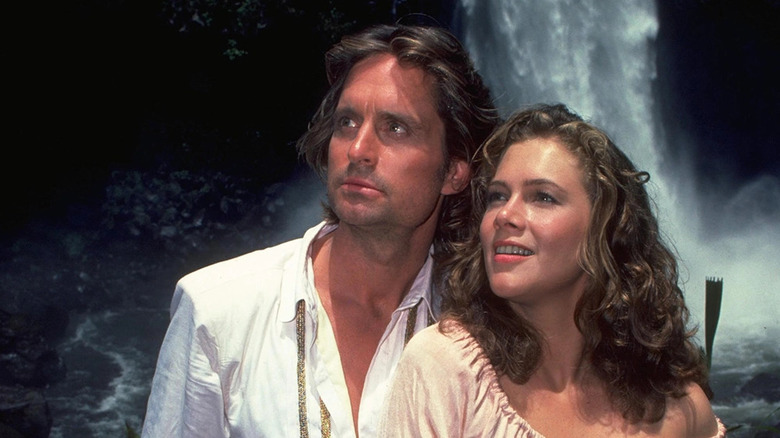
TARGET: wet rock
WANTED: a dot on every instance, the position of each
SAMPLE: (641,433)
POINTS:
(764,386)
(26,358)
(23,413)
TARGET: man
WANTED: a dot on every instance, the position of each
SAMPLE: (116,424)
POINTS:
(301,339)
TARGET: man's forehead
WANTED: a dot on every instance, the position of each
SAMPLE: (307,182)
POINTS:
(385,67)
(380,79)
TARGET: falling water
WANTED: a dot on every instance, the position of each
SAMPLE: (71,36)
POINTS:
(598,58)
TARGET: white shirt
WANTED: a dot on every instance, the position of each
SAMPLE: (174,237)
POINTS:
(228,363)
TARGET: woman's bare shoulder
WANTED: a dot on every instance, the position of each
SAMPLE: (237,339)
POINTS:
(691,415)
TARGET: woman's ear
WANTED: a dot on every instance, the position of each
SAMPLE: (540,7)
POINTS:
(457,178)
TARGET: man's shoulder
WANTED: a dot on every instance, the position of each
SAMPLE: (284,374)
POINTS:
(241,276)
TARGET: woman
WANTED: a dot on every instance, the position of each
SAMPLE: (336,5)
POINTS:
(563,316)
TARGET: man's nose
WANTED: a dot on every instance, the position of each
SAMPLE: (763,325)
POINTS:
(363,149)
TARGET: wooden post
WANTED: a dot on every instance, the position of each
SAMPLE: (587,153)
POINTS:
(712,300)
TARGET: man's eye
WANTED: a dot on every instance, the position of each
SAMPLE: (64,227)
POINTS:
(397,128)
(345,122)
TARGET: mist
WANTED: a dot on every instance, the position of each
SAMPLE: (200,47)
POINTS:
(599,58)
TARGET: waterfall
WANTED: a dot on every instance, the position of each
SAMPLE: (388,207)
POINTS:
(598,58)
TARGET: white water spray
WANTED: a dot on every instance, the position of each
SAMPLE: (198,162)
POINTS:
(598,58)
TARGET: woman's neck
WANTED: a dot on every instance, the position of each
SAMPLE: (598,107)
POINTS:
(563,344)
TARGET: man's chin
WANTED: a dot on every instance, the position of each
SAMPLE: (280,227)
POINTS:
(358,214)
(357,219)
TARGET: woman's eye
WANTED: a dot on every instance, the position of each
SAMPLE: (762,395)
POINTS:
(495,197)
(545,197)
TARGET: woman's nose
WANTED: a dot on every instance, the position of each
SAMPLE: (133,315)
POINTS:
(510,215)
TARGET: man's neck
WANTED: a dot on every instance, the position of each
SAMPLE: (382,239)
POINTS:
(370,265)
(361,282)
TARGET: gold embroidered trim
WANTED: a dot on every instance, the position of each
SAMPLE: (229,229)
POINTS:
(300,334)
(325,419)
(411,319)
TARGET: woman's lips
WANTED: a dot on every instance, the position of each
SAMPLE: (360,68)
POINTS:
(508,252)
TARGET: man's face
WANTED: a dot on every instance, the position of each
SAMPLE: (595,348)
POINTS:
(385,161)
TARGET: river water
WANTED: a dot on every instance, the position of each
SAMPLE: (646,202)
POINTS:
(528,51)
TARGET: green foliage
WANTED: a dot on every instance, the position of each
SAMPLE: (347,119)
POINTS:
(131,433)
(326,21)
(233,52)
(764,426)
(246,19)
(766,422)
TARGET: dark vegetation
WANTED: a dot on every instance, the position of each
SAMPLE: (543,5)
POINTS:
(100,85)
(147,139)
(166,124)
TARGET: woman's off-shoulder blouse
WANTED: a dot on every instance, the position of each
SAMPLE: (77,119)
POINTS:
(445,386)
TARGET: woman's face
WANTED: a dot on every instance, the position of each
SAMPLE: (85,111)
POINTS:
(536,219)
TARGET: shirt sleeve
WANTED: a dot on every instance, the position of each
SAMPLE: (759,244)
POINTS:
(186,397)
(424,401)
